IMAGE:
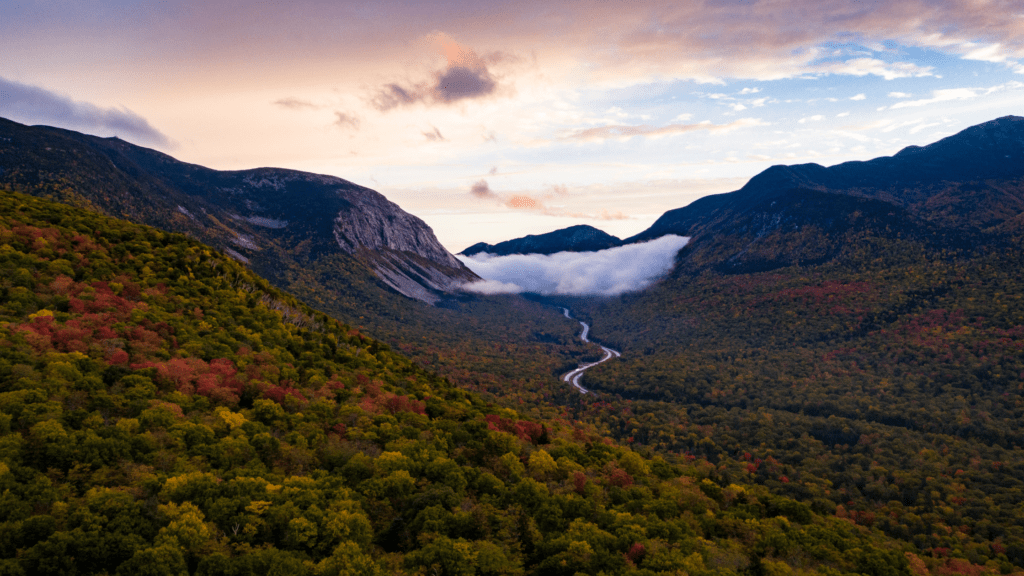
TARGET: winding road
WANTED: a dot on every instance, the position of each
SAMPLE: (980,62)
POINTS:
(574,376)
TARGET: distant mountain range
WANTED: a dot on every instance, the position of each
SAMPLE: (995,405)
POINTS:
(580,238)
(967,184)
(271,218)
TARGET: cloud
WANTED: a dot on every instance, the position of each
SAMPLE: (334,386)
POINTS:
(737,107)
(393,96)
(876,67)
(938,96)
(343,120)
(34,105)
(493,287)
(460,82)
(606,273)
(481,189)
(989,53)
(815,118)
(858,97)
(899,95)
(434,135)
(750,91)
(623,132)
(466,76)
(296,104)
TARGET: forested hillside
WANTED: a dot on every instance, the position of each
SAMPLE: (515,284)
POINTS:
(280,222)
(165,411)
(884,385)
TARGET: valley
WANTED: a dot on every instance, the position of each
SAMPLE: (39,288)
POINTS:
(828,379)
(575,376)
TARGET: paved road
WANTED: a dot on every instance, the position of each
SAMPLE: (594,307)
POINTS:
(574,376)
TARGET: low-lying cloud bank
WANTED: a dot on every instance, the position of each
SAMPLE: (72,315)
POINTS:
(604,273)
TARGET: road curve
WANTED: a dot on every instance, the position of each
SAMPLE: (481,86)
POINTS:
(574,376)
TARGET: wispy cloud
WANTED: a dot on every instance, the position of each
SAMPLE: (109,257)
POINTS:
(876,67)
(951,94)
(34,105)
(938,96)
(606,273)
(345,120)
(620,131)
(296,104)
(434,135)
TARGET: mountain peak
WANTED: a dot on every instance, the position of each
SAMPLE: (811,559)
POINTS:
(972,181)
(579,238)
(261,216)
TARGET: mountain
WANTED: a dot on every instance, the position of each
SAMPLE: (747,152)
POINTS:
(156,423)
(862,325)
(972,181)
(270,218)
(580,238)
(344,249)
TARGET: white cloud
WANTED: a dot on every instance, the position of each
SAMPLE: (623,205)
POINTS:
(750,91)
(899,95)
(738,107)
(493,287)
(920,127)
(606,272)
(858,97)
(815,118)
(939,96)
(990,53)
(887,70)
(842,114)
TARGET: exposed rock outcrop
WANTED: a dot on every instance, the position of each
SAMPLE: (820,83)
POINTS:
(264,217)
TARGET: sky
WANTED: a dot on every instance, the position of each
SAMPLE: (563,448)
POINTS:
(492,120)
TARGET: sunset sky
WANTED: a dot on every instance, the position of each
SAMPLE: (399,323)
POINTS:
(491,120)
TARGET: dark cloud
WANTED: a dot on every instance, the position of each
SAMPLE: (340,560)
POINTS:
(459,82)
(33,105)
(434,135)
(493,170)
(480,189)
(296,104)
(465,77)
(393,96)
(343,120)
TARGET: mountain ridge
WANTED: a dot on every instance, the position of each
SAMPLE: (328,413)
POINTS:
(930,181)
(579,238)
(244,211)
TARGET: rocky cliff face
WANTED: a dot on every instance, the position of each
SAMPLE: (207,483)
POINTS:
(275,220)
(374,222)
